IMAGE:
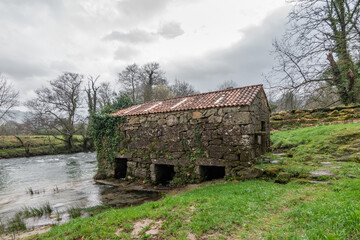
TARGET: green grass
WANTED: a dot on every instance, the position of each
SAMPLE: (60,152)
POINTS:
(312,141)
(254,209)
(11,147)
(248,210)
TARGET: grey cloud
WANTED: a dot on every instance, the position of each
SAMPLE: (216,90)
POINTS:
(50,3)
(142,10)
(63,66)
(171,30)
(244,62)
(21,68)
(125,53)
(24,12)
(133,36)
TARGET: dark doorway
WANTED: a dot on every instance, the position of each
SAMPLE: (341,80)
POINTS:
(120,168)
(208,173)
(164,174)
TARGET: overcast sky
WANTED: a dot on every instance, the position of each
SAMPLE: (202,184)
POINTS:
(204,42)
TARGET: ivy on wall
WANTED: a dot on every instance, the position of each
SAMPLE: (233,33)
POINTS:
(106,133)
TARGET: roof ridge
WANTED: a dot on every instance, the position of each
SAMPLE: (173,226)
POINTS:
(201,101)
(199,94)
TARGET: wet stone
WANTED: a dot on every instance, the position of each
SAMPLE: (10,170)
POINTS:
(320,182)
(321,173)
(346,159)
(275,162)
(326,163)
(280,154)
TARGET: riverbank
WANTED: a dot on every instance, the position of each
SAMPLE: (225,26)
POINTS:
(48,190)
(308,191)
(36,145)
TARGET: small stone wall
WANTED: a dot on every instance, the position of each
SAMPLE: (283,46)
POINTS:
(311,117)
(229,137)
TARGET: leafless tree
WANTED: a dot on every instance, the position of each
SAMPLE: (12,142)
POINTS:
(56,107)
(106,94)
(320,45)
(8,97)
(151,75)
(227,84)
(91,92)
(324,96)
(182,88)
(289,101)
(130,79)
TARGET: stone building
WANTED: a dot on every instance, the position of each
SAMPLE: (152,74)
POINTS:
(192,138)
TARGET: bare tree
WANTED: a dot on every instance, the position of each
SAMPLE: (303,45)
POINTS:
(91,91)
(56,107)
(289,101)
(8,97)
(130,79)
(324,96)
(227,84)
(106,94)
(98,95)
(151,75)
(182,88)
(321,45)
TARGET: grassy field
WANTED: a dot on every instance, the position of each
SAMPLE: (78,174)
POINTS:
(11,147)
(308,207)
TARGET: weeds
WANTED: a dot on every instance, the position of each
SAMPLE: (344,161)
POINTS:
(58,216)
(93,211)
(37,212)
(16,224)
(56,189)
(74,212)
(31,191)
(2,228)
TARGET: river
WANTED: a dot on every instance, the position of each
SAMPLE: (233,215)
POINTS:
(63,181)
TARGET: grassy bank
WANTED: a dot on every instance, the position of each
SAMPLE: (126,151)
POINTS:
(249,210)
(328,208)
(11,147)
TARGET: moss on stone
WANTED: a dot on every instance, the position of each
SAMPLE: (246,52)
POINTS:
(272,171)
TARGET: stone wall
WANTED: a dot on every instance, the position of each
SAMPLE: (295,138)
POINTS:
(228,137)
(310,117)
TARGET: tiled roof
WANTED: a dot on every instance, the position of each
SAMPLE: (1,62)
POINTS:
(224,98)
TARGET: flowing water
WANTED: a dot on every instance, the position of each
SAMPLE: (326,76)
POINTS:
(63,181)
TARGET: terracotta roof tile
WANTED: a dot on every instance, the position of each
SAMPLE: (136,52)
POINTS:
(224,98)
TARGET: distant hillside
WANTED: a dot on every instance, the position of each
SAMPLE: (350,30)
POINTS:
(16,116)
